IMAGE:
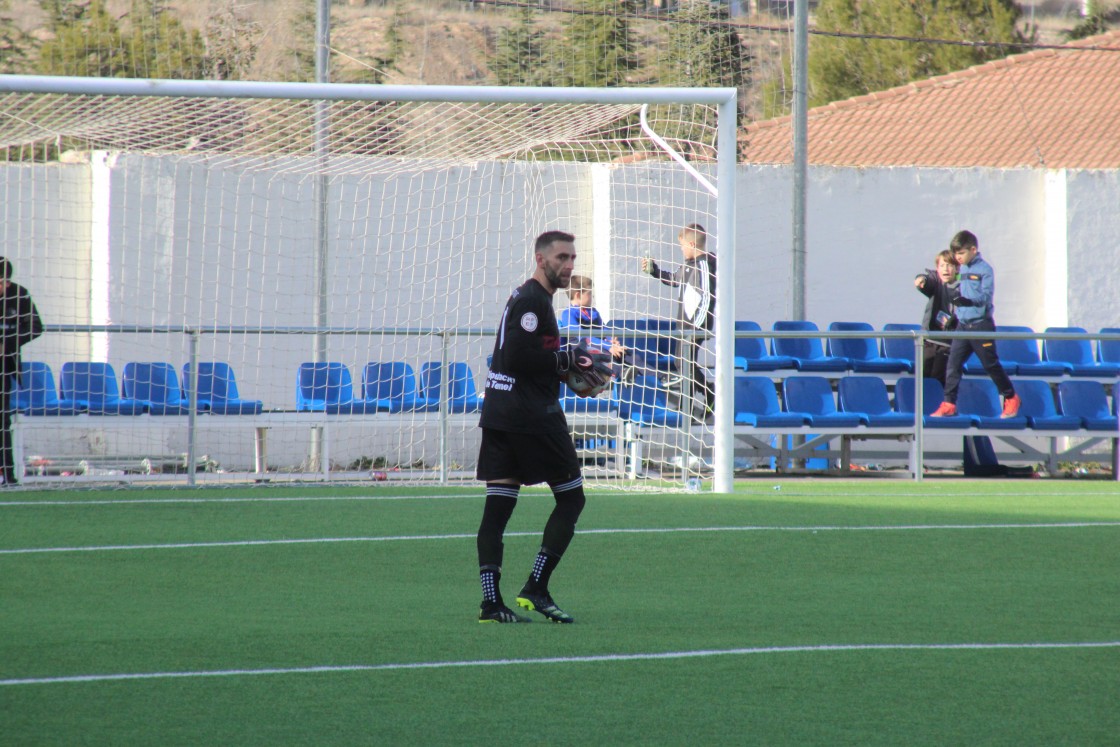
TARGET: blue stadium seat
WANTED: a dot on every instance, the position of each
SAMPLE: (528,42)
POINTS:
(863,352)
(1039,409)
(37,394)
(812,395)
(973,366)
(571,403)
(645,402)
(900,347)
(867,397)
(94,385)
(1087,400)
(932,396)
(751,355)
(979,397)
(157,385)
(1024,354)
(1077,354)
(327,387)
(217,390)
(807,352)
(656,351)
(1108,351)
(756,404)
(463,395)
(393,386)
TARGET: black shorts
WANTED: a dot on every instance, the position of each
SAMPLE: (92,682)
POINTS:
(529,458)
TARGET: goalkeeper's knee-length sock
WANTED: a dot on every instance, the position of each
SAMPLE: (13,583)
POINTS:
(500,502)
(558,532)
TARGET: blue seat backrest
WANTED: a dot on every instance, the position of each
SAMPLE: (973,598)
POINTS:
(463,394)
(749,347)
(395,380)
(152,382)
(756,395)
(216,381)
(321,384)
(932,394)
(36,385)
(979,396)
(1037,398)
(664,344)
(89,382)
(1086,399)
(1077,352)
(643,393)
(863,394)
(1018,351)
(858,348)
(1108,351)
(899,347)
(811,394)
(805,348)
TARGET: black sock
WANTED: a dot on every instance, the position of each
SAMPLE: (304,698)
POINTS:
(500,502)
(558,532)
(491,577)
(543,567)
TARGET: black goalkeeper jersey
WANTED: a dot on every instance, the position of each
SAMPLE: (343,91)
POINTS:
(523,384)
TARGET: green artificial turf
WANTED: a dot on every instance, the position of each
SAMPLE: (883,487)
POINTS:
(824,613)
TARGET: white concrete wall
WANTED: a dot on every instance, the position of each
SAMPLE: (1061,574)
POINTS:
(871,230)
(1093,240)
(201,245)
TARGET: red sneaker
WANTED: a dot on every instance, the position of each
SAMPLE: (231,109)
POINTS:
(946,409)
(1011,406)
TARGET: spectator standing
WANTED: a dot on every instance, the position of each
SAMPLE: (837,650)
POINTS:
(973,298)
(939,313)
(21,325)
(695,280)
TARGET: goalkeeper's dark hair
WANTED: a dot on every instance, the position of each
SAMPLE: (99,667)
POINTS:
(964,240)
(548,238)
(5,268)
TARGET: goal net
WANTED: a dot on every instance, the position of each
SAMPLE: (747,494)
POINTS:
(319,272)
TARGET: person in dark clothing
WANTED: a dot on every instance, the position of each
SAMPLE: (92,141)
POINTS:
(696,280)
(939,313)
(525,437)
(21,325)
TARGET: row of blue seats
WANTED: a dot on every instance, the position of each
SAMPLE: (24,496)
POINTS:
(386,387)
(1058,358)
(393,387)
(147,388)
(155,388)
(865,401)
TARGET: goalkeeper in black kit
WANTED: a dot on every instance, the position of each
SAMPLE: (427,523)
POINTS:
(525,437)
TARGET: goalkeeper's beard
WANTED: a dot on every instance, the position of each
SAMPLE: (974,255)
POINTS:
(555,279)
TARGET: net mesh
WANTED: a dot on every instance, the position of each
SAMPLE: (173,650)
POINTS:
(340,304)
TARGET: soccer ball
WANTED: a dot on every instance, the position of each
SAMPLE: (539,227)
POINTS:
(584,388)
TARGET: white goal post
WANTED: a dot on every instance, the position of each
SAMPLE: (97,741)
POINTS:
(194,207)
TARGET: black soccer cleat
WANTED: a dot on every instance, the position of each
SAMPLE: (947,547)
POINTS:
(541,602)
(495,612)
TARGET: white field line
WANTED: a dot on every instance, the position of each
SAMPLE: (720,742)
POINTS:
(554,660)
(257,499)
(651,530)
(786,493)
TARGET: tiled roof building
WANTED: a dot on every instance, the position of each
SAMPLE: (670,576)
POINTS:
(1048,108)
